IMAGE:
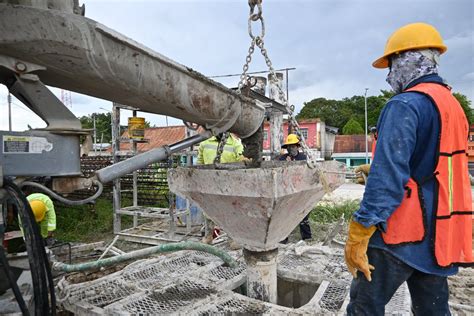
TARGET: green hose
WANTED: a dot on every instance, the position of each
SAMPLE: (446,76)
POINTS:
(188,245)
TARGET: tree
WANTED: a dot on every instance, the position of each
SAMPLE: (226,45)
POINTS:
(466,106)
(352,127)
(102,125)
(329,111)
(338,112)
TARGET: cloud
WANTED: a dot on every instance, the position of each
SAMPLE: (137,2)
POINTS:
(332,43)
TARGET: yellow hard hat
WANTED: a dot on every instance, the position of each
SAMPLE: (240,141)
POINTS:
(291,139)
(408,37)
(39,209)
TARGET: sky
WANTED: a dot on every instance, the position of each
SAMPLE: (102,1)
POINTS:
(331,43)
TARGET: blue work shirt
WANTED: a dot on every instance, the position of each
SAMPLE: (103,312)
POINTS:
(407,142)
(300,156)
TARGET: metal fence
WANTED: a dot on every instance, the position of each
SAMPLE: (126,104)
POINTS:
(152,181)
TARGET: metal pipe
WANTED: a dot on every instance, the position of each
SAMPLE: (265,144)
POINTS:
(366,129)
(228,260)
(82,55)
(142,160)
(262,274)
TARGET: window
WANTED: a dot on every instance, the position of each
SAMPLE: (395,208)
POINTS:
(265,135)
(304,133)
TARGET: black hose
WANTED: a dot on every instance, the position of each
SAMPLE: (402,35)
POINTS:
(11,279)
(62,199)
(39,265)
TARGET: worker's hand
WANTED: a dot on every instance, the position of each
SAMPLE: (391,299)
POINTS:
(245,159)
(362,169)
(50,241)
(355,251)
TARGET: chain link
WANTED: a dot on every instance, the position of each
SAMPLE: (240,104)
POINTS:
(220,147)
(258,41)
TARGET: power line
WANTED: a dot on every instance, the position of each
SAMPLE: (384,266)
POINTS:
(251,73)
(23,108)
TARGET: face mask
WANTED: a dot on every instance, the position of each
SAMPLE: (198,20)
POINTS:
(410,65)
(293,151)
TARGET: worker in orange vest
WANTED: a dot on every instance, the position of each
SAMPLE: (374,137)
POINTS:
(414,222)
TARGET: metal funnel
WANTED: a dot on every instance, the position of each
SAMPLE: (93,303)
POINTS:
(257,207)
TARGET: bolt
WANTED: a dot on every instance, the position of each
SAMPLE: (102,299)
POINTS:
(20,66)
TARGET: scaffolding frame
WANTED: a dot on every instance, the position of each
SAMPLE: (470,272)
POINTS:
(142,233)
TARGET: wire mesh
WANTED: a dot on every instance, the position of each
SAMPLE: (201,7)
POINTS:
(226,273)
(334,296)
(291,262)
(235,305)
(151,273)
(102,293)
(169,300)
(400,304)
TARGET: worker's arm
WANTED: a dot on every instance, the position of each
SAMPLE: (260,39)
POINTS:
(200,158)
(50,218)
(238,150)
(390,170)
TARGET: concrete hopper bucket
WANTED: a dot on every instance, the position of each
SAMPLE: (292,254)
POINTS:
(257,207)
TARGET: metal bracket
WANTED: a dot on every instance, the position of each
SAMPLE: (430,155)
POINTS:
(19,78)
(18,66)
(35,95)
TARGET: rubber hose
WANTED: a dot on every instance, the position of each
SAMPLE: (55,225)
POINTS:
(61,199)
(188,245)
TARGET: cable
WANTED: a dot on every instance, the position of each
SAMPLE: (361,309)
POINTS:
(43,286)
(61,199)
(11,279)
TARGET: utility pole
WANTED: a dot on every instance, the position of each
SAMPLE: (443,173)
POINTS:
(365,133)
(9,98)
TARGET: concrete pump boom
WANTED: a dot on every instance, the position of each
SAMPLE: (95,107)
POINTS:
(78,54)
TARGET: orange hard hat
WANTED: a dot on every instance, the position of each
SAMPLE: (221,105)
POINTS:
(408,37)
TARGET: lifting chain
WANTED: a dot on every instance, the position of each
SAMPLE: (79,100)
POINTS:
(220,147)
(257,40)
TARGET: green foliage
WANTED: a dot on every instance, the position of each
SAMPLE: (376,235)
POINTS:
(103,125)
(466,106)
(338,112)
(81,223)
(331,212)
(352,128)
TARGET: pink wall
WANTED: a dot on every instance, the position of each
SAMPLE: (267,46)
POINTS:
(313,140)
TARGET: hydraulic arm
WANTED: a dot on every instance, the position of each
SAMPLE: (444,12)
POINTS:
(81,55)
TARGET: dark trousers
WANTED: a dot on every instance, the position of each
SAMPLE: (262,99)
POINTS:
(305,230)
(429,293)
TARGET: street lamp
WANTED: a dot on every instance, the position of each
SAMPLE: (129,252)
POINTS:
(366,140)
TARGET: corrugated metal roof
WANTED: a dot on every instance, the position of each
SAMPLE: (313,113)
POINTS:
(157,137)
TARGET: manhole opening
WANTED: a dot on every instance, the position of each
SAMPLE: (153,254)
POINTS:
(291,293)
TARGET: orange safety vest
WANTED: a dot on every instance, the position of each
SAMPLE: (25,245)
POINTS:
(453,205)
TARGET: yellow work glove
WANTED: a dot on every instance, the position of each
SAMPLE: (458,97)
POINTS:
(362,169)
(355,251)
(245,159)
